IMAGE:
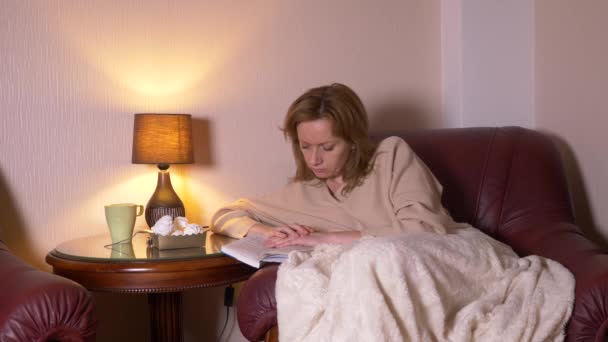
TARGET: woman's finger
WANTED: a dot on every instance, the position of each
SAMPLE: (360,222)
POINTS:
(285,243)
(278,233)
(301,229)
(289,231)
(276,241)
(298,229)
(273,240)
(270,243)
(308,228)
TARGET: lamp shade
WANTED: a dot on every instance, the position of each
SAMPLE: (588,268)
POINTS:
(162,139)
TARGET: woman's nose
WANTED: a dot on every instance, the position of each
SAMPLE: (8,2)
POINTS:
(315,157)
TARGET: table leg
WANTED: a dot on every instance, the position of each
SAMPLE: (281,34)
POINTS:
(165,316)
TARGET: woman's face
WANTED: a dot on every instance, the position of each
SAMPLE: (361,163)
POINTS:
(324,153)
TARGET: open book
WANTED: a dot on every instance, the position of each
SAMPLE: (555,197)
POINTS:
(251,251)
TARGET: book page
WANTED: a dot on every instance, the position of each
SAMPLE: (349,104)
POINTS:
(247,250)
(251,251)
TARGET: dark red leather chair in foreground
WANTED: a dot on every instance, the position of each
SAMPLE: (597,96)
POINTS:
(508,182)
(42,307)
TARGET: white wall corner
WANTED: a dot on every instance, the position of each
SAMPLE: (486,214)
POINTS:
(487,60)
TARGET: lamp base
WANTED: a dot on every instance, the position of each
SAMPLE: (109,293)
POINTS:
(154,214)
(164,201)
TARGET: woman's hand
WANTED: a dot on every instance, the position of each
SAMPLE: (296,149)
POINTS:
(290,231)
(313,239)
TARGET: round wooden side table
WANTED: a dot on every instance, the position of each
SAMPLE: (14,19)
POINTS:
(136,267)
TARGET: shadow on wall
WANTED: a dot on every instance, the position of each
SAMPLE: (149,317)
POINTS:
(399,117)
(12,225)
(201,139)
(584,215)
(203,148)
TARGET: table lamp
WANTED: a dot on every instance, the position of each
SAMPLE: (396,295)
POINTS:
(163,139)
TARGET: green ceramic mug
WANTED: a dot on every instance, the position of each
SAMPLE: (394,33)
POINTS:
(122,251)
(121,220)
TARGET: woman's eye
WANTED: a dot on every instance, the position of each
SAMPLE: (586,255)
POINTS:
(303,147)
(328,148)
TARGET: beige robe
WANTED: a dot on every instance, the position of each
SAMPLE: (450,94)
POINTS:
(399,195)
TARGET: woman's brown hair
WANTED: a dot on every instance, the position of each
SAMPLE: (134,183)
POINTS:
(341,105)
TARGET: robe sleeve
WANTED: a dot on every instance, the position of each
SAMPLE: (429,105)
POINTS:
(415,193)
(232,221)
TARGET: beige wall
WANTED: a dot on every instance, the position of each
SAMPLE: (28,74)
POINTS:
(72,73)
(571,86)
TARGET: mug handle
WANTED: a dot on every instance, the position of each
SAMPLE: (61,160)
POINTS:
(140,210)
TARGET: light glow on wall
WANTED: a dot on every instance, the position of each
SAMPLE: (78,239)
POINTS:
(158,72)
(159,53)
(152,73)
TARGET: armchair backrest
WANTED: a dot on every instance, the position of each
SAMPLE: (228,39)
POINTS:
(496,178)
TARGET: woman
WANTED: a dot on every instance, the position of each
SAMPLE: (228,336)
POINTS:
(389,263)
(344,186)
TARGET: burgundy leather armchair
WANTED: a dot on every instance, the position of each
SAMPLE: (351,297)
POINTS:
(508,182)
(39,306)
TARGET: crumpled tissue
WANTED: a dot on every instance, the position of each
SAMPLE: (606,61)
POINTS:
(166,226)
(169,233)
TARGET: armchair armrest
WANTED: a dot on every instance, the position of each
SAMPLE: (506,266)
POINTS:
(256,306)
(566,244)
(39,306)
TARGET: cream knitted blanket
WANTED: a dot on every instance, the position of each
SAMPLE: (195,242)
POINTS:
(463,286)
